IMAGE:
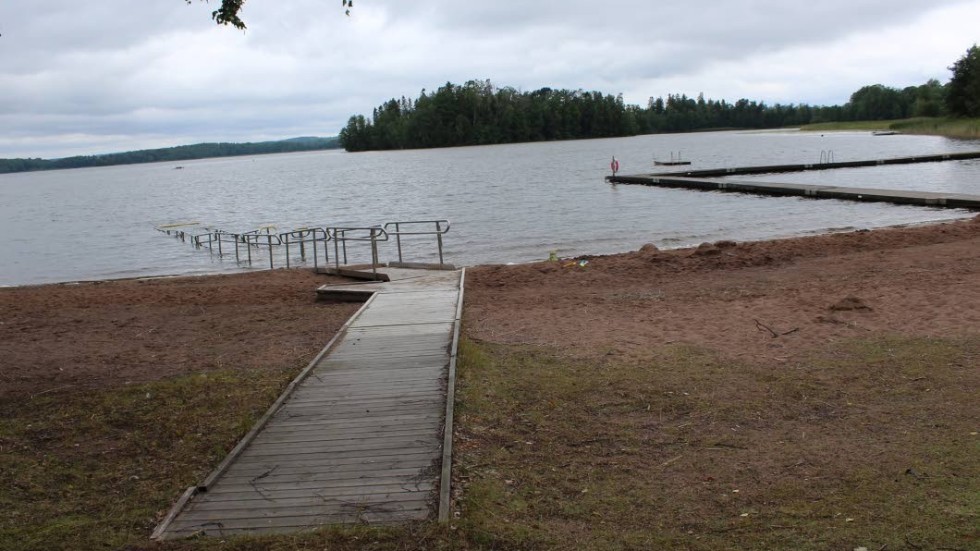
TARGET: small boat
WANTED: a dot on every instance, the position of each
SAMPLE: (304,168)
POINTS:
(885,133)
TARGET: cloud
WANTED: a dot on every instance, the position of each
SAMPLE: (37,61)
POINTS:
(109,75)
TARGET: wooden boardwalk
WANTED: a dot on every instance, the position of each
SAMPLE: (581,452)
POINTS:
(360,436)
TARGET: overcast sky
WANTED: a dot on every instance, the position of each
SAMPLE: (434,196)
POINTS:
(100,76)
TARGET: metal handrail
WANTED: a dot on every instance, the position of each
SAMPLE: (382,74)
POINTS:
(340,239)
(267,236)
(251,238)
(302,236)
(398,233)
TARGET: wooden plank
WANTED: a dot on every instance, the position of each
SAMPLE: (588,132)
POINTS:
(329,420)
(311,497)
(367,450)
(362,378)
(319,488)
(296,516)
(337,435)
(384,364)
(348,410)
(270,511)
(319,479)
(302,448)
(379,389)
(327,465)
(322,387)
(445,476)
(293,523)
(380,397)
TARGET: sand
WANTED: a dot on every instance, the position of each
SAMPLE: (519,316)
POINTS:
(771,300)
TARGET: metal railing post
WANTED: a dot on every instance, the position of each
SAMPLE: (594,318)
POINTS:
(374,254)
(268,238)
(398,239)
(439,240)
(315,259)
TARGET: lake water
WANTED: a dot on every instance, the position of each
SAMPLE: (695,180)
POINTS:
(507,203)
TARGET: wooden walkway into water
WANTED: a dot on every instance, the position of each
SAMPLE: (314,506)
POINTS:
(362,435)
(719,180)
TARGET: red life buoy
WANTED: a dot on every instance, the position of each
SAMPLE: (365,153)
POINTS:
(614,165)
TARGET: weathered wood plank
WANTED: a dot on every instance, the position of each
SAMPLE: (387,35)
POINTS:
(321,489)
(311,496)
(383,364)
(314,466)
(336,436)
(390,398)
(368,475)
(293,523)
(327,419)
(341,410)
(367,503)
(302,448)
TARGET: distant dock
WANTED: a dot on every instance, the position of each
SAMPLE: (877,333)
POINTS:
(710,180)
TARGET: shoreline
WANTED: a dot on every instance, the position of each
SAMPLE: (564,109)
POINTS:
(250,270)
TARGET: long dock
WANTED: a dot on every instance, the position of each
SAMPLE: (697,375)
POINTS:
(711,180)
(362,435)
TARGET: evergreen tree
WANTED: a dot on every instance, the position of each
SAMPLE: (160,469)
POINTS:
(963,90)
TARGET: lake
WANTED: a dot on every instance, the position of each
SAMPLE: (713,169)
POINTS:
(507,203)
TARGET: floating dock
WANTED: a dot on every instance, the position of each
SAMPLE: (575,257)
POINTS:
(364,434)
(711,180)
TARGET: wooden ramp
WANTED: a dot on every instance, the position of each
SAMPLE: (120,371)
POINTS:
(359,436)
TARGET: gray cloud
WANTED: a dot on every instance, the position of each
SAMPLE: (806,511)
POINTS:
(108,75)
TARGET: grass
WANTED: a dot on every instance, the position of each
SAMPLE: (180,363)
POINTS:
(98,469)
(872,443)
(934,126)
(953,128)
(865,445)
(848,125)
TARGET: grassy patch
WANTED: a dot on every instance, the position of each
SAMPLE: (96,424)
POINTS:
(952,128)
(848,125)
(867,444)
(949,127)
(97,469)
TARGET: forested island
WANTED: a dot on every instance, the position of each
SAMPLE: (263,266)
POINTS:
(178,153)
(478,113)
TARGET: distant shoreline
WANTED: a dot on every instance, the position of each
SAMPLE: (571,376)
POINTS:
(924,126)
(171,154)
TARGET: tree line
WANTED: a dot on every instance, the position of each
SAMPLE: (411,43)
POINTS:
(179,153)
(479,113)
